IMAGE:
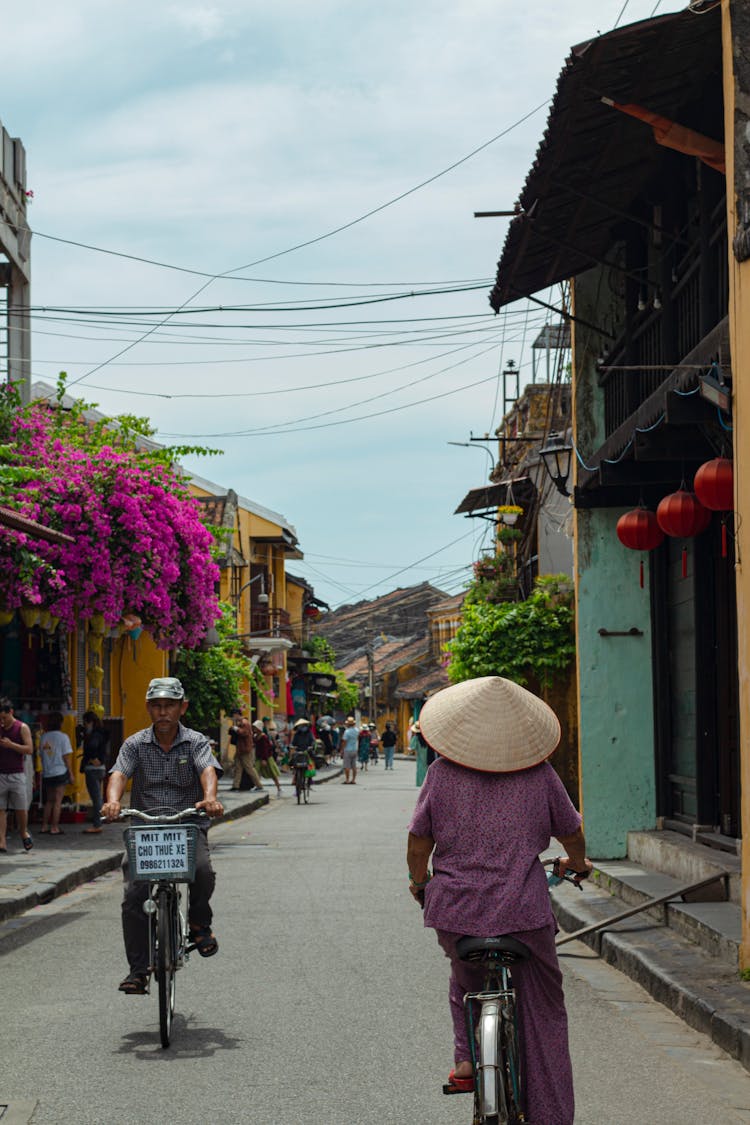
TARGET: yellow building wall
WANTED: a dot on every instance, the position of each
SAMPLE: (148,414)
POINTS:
(739,336)
(132,664)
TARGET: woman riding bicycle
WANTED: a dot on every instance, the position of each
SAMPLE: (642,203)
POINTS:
(487,808)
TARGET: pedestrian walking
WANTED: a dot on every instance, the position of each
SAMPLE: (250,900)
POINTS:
(324,733)
(348,746)
(57,763)
(172,767)
(94,764)
(16,745)
(363,747)
(264,758)
(245,773)
(388,741)
(374,743)
(488,807)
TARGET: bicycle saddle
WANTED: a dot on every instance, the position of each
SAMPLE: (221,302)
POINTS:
(505,949)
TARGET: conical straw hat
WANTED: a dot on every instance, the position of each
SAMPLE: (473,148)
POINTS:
(490,724)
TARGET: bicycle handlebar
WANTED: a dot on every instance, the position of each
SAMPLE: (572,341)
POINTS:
(570,876)
(165,818)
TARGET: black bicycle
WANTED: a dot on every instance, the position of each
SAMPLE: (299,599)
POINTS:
(302,780)
(161,852)
(493,1033)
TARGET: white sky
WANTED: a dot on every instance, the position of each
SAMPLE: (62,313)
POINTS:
(210,136)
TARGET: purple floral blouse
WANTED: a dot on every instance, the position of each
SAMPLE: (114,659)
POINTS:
(489,829)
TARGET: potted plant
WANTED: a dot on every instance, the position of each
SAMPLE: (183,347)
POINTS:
(509,513)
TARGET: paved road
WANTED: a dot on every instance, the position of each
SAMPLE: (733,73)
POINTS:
(325,1005)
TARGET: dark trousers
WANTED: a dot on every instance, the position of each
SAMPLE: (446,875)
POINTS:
(135,920)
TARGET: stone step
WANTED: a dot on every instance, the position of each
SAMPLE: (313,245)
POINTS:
(702,989)
(684,859)
(710,922)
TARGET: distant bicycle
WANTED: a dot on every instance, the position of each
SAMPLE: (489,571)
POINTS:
(497,1082)
(301,766)
(161,852)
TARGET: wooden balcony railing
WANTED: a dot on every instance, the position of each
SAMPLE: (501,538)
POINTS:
(271,623)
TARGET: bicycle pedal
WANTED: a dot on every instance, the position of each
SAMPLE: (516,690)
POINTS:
(449,1089)
(190,948)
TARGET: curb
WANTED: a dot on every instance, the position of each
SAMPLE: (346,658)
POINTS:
(11,908)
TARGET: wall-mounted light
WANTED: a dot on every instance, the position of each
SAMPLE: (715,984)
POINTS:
(556,458)
(262,596)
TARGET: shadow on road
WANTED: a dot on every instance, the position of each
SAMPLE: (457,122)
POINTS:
(188,1042)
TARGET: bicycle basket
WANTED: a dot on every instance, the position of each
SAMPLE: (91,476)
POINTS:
(161,851)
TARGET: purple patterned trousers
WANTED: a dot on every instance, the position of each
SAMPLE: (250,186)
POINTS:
(543,1022)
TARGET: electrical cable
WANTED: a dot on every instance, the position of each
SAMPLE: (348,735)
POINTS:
(268,432)
(229,274)
(415,563)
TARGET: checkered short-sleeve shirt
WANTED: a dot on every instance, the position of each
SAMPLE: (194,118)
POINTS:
(165,782)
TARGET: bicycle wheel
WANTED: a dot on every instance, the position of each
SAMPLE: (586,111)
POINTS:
(299,784)
(510,1057)
(166,929)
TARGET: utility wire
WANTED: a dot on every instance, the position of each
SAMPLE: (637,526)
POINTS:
(342,421)
(424,558)
(311,241)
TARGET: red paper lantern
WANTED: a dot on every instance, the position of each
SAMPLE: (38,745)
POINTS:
(714,485)
(639,531)
(681,515)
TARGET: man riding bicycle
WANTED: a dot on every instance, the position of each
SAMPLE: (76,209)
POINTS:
(172,767)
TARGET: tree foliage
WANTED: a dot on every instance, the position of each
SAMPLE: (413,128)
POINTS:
(517,639)
(325,656)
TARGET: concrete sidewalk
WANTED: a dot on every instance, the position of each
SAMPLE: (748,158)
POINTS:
(57,864)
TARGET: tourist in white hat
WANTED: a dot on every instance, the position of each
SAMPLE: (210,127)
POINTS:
(489,805)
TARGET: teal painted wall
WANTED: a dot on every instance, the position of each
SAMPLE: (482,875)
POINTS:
(615,719)
(616,724)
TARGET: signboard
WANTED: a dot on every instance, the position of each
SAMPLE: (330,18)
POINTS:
(159,852)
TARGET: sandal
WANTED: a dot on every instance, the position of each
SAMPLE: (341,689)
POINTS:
(204,941)
(28,843)
(462,1085)
(135,984)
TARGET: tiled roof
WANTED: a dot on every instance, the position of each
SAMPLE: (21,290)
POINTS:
(593,160)
(387,657)
(421,686)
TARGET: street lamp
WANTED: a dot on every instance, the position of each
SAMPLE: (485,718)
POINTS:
(262,596)
(468,445)
(556,457)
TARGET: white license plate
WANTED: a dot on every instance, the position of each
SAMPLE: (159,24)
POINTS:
(160,851)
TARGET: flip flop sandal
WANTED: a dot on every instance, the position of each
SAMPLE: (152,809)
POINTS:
(135,984)
(463,1085)
(204,941)
(28,843)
